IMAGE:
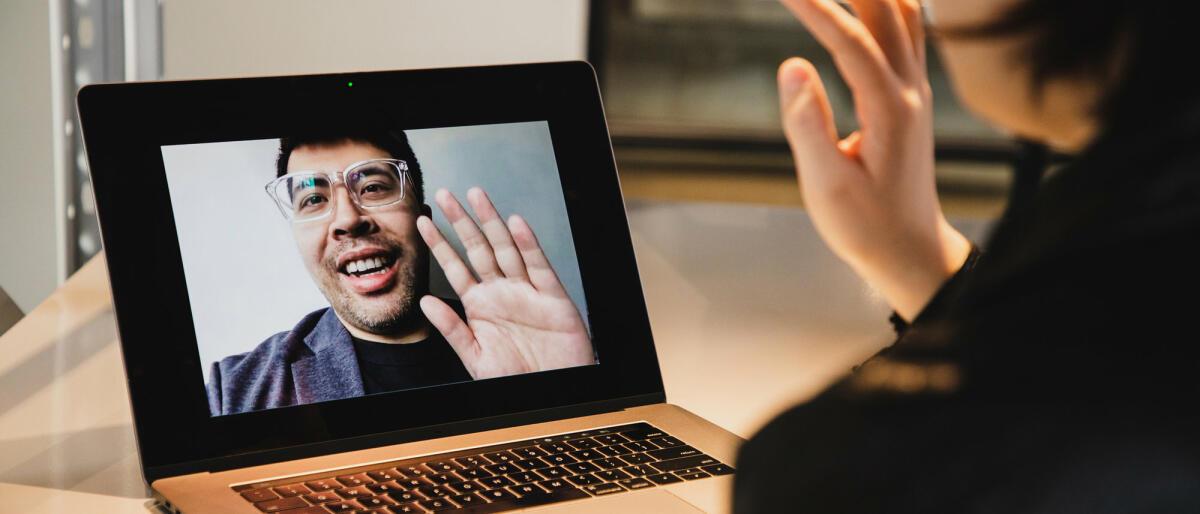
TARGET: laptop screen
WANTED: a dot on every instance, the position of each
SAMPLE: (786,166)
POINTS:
(309,279)
(299,265)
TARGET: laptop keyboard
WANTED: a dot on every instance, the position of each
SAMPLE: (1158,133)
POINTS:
(497,478)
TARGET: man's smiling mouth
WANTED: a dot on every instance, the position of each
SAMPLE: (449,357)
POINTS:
(368,265)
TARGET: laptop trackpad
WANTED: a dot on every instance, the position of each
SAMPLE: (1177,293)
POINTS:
(657,501)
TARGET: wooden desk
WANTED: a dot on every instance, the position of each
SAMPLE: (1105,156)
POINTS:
(750,312)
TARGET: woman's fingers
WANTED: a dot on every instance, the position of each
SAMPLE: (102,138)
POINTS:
(914,20)
(507,255)
(855,52)
(457,273)
(541,275)
(808,122)
(479,251)
(886,22)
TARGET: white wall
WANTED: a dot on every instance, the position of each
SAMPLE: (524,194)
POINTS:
(28,259)
(215,38)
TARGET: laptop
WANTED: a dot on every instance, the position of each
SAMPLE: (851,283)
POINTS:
(397,291)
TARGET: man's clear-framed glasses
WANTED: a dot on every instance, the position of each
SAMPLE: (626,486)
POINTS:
(371,184)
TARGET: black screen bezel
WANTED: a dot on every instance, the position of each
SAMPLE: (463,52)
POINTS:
(125,125)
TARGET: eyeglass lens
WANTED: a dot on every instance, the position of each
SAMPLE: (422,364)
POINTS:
(373,184)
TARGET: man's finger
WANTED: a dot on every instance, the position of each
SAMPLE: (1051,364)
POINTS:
(507,255)
(883,18)
(453,329)
(855,52)
(457,274)
(479,251)
(541,275)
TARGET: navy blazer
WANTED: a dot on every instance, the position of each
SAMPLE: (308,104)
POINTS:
(313,362)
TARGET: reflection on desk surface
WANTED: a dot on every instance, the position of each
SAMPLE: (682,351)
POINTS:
(750,313)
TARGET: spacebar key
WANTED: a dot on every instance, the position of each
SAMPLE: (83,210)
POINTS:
(560,495)
(684,463)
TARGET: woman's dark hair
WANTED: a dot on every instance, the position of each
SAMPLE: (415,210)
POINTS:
(394,142)
(1137,50)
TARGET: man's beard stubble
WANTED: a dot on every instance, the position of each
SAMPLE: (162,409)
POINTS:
(404,315)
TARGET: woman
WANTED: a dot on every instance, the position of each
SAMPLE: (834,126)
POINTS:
(1055,371)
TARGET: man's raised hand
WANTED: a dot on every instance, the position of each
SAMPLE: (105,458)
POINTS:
(519,317)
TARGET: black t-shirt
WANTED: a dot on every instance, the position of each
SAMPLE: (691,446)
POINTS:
(392,367)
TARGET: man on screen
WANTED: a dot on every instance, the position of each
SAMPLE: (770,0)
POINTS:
(356,206)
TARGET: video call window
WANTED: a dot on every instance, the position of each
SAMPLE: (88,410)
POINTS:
(330,266)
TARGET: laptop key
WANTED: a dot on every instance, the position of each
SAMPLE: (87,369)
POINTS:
(291,490)
(342,507)
(498,495)
(502,469)
(385,487)
(527,490)
(472,461)
(436,505)
(384,475)
(560,459)
(582,467)
(524,477)
(443,478)
(667,442)
(586,455)
(608,463)
(693,476)
(355,480)
(610,439)
(467,500)
(470,473)
(326,497)
(442,466)
(584,479)
(434,491)
(583,444)
(634,484)
(501,457)
(555,472)
(281,504)
(610,475)
(406,508)
(354,492)
(646,432)
(674,453)
(638,471)
(529,464)
(496,481)
(259,495)
(663,479)
(641,446)
(554,485)
(604,489)
(465,487)
(614,450)
(412,471)
(413,483)
(529,452)
(405,496)
(375,502)
(684,463)
(552,448)
(637,458)
(324,484)
(719,469)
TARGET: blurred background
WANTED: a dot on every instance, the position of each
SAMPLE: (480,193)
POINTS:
(689,89)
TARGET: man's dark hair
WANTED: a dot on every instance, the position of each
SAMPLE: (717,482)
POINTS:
(394,142)
(1138,50)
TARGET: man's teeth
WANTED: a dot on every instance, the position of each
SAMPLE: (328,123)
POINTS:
(362,265)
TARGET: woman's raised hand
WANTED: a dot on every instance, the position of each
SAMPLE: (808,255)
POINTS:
(872,195)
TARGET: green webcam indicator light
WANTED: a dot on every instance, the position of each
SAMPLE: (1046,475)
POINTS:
(349,84)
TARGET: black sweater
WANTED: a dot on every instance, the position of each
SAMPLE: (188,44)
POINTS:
(1057,372)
